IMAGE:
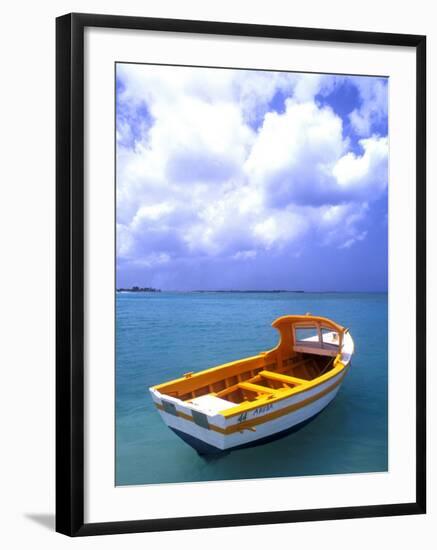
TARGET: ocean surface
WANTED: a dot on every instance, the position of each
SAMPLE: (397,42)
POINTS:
(160,336)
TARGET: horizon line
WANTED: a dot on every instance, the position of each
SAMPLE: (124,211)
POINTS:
(156,290)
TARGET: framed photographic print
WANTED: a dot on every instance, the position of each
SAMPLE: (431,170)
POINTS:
(240,274)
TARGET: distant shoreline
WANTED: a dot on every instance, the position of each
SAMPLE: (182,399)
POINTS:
(138,289)
(151,290)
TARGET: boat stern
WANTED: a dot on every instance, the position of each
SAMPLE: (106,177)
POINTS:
(198,423)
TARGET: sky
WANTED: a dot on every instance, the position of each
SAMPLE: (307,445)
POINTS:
(250,180)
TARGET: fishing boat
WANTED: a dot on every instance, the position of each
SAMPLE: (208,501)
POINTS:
(257,399)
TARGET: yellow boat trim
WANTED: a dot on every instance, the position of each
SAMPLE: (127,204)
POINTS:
(249,424)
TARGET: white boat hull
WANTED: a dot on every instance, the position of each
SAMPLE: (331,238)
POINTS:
(206,441)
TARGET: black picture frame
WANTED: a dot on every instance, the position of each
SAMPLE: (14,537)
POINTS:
(70,272)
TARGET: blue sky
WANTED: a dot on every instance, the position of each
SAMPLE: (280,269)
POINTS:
(235,179)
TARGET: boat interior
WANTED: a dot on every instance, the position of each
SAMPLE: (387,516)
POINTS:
(308,348)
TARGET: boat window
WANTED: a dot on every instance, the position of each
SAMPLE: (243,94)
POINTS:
(330,336)
(305,334)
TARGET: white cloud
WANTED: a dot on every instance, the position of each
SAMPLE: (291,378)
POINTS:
(367,173)
(307,87)
(340,224)
(293,154)
(350,242)
(374,107)
(202,181)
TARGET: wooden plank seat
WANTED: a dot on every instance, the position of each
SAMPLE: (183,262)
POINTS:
(282,377)
(255,388)
(252,384)
(245,386)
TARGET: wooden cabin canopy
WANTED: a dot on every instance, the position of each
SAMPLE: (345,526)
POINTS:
(310,334)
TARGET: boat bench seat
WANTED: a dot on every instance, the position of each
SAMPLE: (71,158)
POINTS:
(246,385)
(251,384)
(255,388)
(282,377)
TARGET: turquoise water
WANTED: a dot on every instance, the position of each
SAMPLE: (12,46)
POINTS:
(163,335)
